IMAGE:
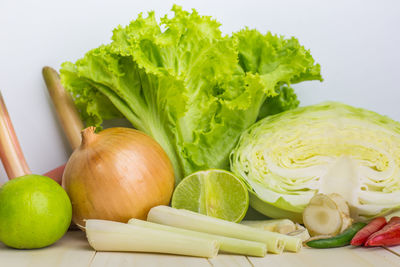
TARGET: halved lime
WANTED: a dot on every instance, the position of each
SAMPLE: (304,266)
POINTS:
(216,193)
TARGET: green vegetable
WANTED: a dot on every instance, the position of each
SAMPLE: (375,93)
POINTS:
(104,235)
(227,244)
(340,240)
(286,159)
(187,85)
(190,220)
(283,226)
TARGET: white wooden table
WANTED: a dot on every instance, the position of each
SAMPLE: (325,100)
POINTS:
(73,250)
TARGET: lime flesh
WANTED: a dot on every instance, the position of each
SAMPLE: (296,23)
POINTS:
(35,212)
(216,193)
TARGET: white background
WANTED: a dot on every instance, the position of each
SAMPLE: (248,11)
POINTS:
(357,44)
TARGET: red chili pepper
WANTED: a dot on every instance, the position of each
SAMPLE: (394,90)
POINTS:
(395,219)
(389,235)
(362,235)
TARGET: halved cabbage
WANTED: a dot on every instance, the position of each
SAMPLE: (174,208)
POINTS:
(331,147)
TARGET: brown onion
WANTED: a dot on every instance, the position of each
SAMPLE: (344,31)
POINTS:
(117,174)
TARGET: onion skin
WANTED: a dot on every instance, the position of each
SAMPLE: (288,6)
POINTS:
(117,174)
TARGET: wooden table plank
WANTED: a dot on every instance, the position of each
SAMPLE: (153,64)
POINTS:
(394,249)
(71,250)
(347,256)
(115,259)
(224,260)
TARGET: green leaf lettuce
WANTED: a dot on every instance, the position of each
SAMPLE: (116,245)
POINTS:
(187,85)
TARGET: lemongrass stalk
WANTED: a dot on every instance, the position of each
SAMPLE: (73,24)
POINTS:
(300,232)
(282,226)
(115,236)
(198,222)
(10,150)
(65,108)
(228,244)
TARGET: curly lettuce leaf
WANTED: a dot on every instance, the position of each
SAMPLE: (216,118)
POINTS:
(280,62)
(284,99)
(182,82)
